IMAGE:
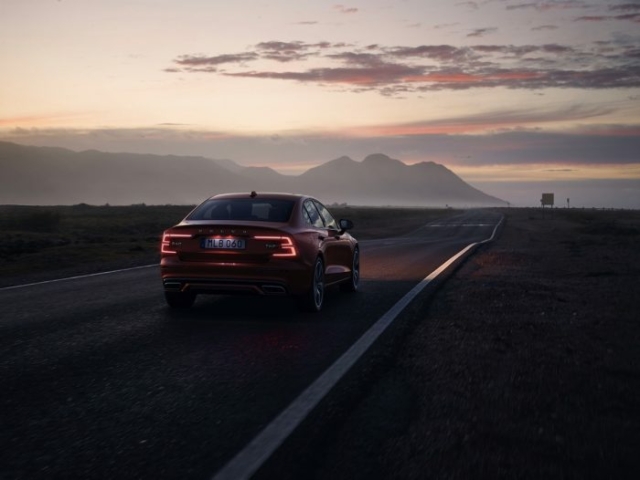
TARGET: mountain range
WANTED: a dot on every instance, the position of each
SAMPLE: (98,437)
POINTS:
(56,176)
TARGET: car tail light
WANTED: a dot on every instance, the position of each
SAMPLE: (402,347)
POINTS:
(281,246)
(168,242)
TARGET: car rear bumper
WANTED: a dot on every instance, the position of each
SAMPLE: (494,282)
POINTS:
(224,286)
(283,278)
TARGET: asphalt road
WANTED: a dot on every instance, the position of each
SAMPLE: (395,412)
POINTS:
(99,379)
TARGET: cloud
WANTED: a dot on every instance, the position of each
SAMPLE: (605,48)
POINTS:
(544,27)
(368,76)
(41,120)
(398,70)
(543,6)
(625,6)
(445,25)
(521,6)
(498,120)
(283,51)
(443,53)
(201,63)
(481,32)
(472,5)
(613,130)
(343,9)
(633,17)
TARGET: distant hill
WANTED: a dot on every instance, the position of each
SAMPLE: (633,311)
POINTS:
(46,176)
(380,180)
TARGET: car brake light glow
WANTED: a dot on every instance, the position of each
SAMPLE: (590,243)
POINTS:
(166,241)
(286,244)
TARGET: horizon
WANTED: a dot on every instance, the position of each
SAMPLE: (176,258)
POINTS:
(515,97)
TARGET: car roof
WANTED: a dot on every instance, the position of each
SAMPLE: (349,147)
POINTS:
(272,195)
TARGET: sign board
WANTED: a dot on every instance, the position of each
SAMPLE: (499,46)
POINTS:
(547,199)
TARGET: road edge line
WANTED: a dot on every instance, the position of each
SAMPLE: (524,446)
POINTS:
(76,277)
(253,456)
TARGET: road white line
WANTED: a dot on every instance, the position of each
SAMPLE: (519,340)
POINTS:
(257,452)
(451,225)
(12,287)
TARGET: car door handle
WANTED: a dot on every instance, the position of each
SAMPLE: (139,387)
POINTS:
(321,237)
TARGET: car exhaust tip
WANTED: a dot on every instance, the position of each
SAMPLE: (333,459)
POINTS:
(273,289)
(172,285)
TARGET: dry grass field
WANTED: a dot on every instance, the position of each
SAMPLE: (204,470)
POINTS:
(48,242)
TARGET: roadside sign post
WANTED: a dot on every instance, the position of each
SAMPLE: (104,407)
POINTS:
(547,199)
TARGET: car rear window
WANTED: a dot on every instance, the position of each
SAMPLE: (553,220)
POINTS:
(251,209)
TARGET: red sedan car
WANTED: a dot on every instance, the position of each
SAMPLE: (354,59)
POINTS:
(259,243)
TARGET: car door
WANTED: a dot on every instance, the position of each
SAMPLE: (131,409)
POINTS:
(326,240)
(337,249)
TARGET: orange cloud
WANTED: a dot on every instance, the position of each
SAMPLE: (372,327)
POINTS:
(31,120)
(42,120)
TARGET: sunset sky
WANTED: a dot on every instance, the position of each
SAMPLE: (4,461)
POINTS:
(515,96)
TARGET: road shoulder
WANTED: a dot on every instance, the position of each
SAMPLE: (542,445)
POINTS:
(524,365)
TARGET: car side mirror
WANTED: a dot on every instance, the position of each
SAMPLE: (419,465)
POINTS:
(345,225)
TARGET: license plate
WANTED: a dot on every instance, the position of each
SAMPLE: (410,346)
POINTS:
(223,243)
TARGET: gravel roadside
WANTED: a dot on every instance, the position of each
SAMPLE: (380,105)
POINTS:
(526,364)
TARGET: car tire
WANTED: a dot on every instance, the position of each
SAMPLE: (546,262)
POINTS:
(354,279)
(179,299)
(312,301)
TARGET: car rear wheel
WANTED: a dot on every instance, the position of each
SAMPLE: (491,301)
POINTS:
(312,301)
(354,280)
(179,299)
